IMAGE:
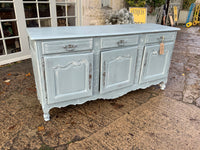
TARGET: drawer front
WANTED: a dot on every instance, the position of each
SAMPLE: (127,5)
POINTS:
(67,46)
(159,37)
(109,42)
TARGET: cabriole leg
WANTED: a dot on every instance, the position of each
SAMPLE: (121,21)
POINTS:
(46,116)
(162,85)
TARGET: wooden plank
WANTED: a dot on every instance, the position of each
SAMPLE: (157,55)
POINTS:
(171,20)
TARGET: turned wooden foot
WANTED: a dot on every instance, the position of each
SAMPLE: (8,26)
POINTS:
(46,116)
(162,85)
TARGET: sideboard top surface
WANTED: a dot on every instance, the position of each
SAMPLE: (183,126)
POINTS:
(94,31)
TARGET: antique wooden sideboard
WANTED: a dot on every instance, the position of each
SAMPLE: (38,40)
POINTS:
(73,65)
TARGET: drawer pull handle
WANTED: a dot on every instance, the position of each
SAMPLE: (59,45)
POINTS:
(70,47)
(121,43)
(155,53)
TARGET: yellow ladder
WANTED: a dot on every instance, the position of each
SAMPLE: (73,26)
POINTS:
(195,17)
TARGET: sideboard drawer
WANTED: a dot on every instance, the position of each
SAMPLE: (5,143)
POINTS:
(67,45)
(159,37)
(109,42)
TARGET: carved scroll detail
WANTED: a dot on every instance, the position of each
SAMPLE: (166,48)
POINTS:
(72,64)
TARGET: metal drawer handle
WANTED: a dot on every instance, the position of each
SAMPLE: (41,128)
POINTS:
(70,47)
(121,43)
(155,52)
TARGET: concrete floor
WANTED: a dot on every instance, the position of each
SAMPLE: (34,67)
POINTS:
(143,119)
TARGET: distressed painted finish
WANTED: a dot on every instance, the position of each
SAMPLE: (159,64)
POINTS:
(117,69)
(75,64)
(68,77)
(155,65)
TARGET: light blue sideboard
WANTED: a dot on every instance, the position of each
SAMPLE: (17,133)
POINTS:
(73,65)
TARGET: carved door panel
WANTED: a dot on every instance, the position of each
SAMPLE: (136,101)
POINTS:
(155,66)
(68,77)
(117,69)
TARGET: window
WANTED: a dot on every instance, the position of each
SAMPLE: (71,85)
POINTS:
(105,3)
(66,12)
(37,13)
(16,15)
(9,37)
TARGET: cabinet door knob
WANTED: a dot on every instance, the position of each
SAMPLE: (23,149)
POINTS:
(155,52)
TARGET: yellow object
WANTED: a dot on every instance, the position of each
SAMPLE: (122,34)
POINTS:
(189,24)
(28,74)
(196,15)
(195,20)
(175,14)
(139,14)
(195,23)
(41,128)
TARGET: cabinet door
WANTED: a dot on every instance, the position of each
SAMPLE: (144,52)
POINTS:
(117,69)
(68,77)
(155,66)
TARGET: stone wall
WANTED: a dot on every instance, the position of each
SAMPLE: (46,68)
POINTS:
(93,13)
(198,1)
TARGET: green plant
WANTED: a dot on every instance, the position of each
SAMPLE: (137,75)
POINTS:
(45,147)
(187,3)
(136,3)
(155,3)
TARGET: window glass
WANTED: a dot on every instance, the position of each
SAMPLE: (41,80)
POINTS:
(71,21)
(7,11)
(32,23)
(61,22)
(105,3)
(61,10)
(30,10)
(9,28)
(71,10)
(44,10)
(60,1)
(13,45)
(45,22)
(2,51)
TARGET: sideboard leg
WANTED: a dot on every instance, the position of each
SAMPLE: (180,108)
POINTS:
(46,116)
(162,85)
